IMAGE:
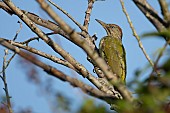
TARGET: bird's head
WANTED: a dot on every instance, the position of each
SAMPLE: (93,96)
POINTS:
(111,29)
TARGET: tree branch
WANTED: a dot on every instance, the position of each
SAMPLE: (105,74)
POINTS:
(151,14)
(165,11)
(45,55)
(56,73)
(36,19)
(3,77)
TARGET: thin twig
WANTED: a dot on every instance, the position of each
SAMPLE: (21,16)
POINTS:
(135,34)
(159,57)
(88,13)
(3,77)
(35,38)
(18,31)
(30,40)
(68,15)
(8,62)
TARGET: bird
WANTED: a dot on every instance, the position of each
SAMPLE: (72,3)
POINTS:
(112,50)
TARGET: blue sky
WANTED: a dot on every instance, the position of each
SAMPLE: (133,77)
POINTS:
(24,94)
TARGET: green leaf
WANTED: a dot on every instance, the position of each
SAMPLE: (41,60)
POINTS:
(165,33)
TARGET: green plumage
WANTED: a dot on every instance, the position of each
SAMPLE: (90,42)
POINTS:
(112,50)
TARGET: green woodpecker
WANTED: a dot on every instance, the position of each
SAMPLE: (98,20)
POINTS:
(112,50)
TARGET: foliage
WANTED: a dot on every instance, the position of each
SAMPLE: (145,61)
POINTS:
(89,106)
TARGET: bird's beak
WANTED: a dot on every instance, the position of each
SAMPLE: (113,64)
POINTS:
(101,23)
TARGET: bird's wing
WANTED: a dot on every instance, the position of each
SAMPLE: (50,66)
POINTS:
(112,50)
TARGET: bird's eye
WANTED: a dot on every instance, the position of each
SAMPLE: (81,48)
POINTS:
(112,26)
